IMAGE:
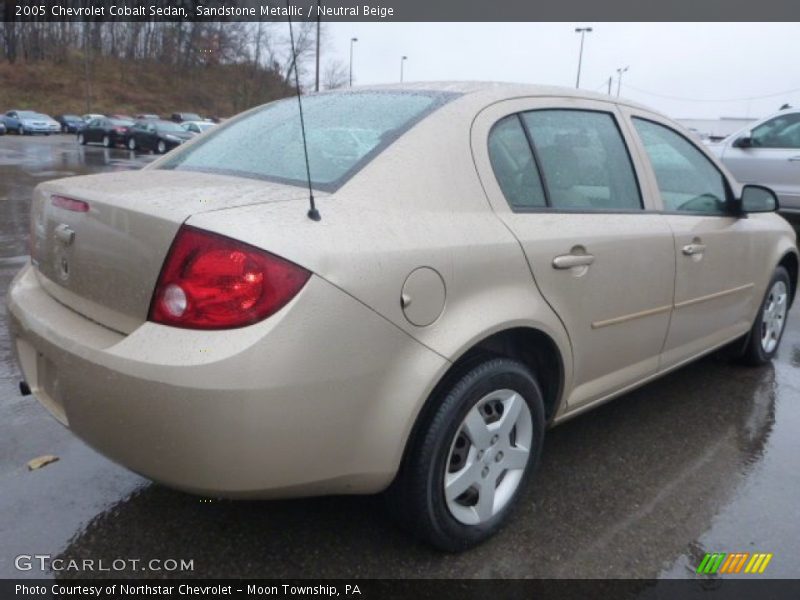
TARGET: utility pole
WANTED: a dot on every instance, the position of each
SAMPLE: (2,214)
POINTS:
(610,79)
(86,68)
(319,23)
(402,63)
(619,79)
(583,31)
(352,41)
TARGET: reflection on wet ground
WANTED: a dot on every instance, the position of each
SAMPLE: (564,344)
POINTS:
(703,460)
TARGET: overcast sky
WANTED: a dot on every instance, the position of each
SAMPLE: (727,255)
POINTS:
(710,67)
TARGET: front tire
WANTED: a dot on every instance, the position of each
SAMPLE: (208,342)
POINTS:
(767,331)
(471,457)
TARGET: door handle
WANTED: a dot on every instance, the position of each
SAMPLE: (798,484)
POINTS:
(567,261)
(692,249)
(794,159)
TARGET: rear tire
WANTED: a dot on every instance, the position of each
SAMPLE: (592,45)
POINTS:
(767,331)
(471,456)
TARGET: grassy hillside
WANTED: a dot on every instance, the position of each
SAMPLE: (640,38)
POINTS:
(120,87)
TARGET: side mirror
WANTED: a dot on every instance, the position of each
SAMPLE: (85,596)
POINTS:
(758,199)
(745,141)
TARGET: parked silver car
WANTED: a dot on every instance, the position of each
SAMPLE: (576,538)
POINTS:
(27,122)
(768,153)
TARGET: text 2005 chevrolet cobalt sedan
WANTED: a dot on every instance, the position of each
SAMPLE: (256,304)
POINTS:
(490,260)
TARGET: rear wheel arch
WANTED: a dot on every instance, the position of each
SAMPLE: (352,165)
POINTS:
(533,347)
(792,265)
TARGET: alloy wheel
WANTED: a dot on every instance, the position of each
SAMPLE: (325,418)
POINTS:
(488,457)
(773,317)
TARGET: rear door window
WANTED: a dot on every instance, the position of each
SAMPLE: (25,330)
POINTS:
(584,160)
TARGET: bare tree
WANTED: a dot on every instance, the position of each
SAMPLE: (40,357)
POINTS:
(335,75)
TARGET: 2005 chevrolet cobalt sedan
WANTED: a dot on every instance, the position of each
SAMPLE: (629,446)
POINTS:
(490,260)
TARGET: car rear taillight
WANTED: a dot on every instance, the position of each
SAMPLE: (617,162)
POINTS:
(69,204)
(209,281)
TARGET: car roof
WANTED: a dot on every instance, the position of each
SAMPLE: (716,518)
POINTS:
(493,91)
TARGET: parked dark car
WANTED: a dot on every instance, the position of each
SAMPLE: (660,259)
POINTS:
(159,136)
(107,131)
(186,116)
(70,123)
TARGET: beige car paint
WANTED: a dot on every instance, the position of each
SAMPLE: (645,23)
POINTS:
(322,396)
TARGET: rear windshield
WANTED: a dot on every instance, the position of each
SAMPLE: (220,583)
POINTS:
(345,131)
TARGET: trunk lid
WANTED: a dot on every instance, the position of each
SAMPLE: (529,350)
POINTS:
(104,263)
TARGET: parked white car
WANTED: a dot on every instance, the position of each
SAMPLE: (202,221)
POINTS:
(768,153)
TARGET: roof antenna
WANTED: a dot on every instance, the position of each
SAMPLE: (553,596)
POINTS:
(313,213)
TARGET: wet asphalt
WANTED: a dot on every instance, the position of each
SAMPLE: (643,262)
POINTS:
(703,460)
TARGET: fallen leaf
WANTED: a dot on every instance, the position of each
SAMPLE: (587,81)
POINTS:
(41,461)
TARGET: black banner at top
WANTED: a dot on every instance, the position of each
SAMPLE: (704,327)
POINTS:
(399,10)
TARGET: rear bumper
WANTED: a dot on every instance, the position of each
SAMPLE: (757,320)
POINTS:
(317,399)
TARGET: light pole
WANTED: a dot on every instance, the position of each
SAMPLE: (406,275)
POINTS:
(619,79)
(583,31)
(402,63)
(319,26)
(352,41)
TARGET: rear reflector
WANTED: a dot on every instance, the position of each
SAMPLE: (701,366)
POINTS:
(69,204)
(210,281)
